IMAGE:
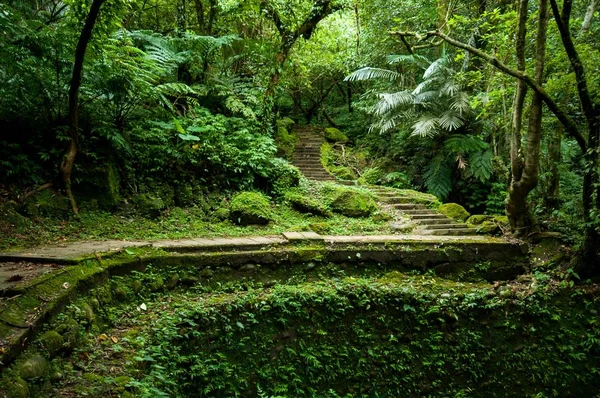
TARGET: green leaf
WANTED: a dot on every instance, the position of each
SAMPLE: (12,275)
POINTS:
(188,137)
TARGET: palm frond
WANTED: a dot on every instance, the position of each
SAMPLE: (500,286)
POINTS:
(460,103)
(438,66)
(416,59)
(391,101)
(450,121)
(372,73)
(426,126)
(464,144)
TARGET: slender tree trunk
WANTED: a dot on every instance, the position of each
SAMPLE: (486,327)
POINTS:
(200,15)
(589,15)
(517,209)
(69,158)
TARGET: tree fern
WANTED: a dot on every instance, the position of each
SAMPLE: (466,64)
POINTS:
(438,177)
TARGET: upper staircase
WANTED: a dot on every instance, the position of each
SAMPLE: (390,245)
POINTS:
(307,155)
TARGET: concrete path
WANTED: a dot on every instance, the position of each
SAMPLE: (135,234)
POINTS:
(70,252)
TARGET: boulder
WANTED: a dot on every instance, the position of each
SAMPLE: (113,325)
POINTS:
(335,135)
(248,208)
(351,203)
(454,211)
(305,204)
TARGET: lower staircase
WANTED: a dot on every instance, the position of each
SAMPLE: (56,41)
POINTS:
(429,221)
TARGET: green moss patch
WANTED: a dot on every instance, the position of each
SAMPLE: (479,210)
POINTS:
(352,202)
(454,211)
(335,135)
(251,208)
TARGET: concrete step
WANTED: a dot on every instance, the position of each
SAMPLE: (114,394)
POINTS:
(453,232)
(409,206)
(434,221)
(447,226)
(417,212)
(399,200)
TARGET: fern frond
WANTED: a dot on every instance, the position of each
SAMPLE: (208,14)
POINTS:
(481,165)
(372,73)
(464,144)
(438,177)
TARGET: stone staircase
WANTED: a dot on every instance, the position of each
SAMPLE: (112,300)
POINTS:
(429,221)
(307,155)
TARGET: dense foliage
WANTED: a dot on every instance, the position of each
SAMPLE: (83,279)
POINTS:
(180,100)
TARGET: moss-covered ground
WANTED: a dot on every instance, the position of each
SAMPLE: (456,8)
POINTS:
(319,329)
(175,223)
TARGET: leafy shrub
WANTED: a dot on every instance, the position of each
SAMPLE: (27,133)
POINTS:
(282,176)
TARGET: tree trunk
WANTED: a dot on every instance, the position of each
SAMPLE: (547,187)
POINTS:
(200,15)
(552,197)
(589,15)
(69,158)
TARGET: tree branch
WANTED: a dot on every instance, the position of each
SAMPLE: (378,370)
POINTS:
(570,126)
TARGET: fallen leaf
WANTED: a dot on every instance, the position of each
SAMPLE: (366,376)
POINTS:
(143,307)
(114,339)
(65,285)
(103,337)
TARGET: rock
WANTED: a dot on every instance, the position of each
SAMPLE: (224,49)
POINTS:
(172,282)
(249,208)
(305,204)
(17,388)
(319,227)
(33,367)
(69,330)
(120,293)
(382,216)
(353,203)
(478,219)
(47,203)
(402,227)
(149,205)
(335,135)
(488,228)
(454,211)
(52,342)
(310,266)
(343,173)
(207,273)
(248,268)
(136,286)
(157,284)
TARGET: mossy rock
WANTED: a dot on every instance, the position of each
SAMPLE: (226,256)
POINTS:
(10,215)
(319,227)
(343,173)
(69,329)
(149,205)
(33,367)
(307,205)
(381,216)
(335,135)
(454,211)
(250,208)
(352,203)
(419,197)
(17,388)
(503,220)
(488,228)
(478,219)
(52,342)
(47,203)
